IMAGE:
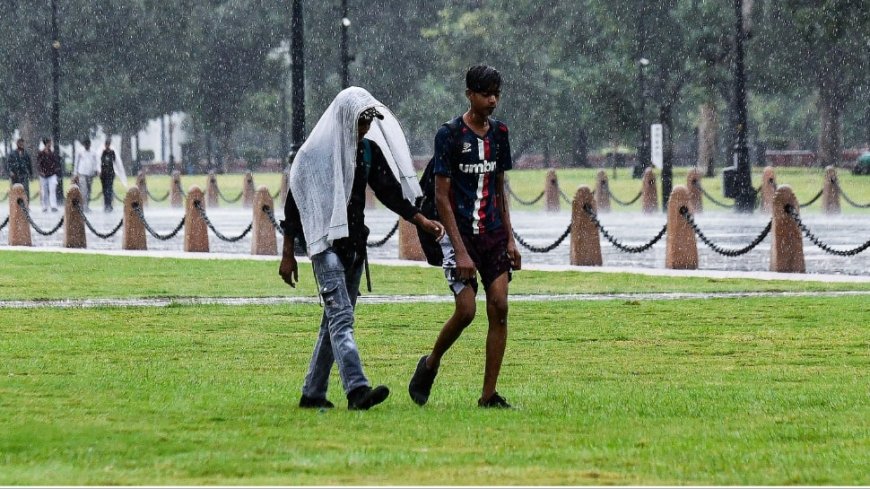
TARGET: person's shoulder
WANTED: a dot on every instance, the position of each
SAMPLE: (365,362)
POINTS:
(451,126)
(375,147)
(499,126)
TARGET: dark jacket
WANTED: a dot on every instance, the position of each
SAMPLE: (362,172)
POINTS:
(46,163)
(20,165)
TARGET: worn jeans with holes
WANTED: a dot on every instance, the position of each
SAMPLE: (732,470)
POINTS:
(339,289)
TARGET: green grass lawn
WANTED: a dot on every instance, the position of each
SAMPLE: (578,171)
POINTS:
(724,391)
(750,391)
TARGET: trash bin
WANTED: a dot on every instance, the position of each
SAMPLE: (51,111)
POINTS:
(729,182)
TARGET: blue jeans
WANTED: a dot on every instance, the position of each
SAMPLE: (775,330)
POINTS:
(339,289)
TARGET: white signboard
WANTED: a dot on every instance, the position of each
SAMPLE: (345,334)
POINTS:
(657,154)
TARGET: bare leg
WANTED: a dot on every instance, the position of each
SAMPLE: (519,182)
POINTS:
(496,337)
(462,316)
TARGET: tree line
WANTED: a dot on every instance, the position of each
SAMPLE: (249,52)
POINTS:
(572,78)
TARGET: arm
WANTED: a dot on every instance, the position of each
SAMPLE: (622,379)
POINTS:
(512,251)
(292,224)
(464,265)
(389,191)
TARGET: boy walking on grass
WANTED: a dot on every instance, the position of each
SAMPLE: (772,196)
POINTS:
(471,155)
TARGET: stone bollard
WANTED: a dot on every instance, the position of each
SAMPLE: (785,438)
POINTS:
(768,189)
(19,228)
(693,183)
(263,240)
(285,186)
(248,191)
(211,191)
(585,241)
(134,229)
(142,185)
(409,243)
(787,246)
(73,224)
(370,198)
(831,192)
(650,192)
(551,192)
(602,192)
(682,248)
(175,197)
(195,227)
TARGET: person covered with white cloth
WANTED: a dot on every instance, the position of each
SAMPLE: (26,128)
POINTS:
(326,206)
(87,166)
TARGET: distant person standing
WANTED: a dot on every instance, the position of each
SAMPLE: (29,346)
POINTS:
(48,167)
(87,166)
(107,174)
(20,167)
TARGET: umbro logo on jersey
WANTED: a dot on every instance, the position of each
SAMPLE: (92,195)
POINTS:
(466,148)
(478,168)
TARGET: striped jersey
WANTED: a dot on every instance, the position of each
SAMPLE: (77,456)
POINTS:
(472,163)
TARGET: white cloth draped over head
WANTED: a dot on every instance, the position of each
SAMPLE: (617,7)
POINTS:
(321,177)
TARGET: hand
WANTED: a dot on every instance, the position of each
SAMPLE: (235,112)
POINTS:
(289,270)
(465,269)
(514,255)
(433,227)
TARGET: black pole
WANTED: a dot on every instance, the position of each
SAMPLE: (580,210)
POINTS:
(745,200)
(55,101)
(282,101)
(297,59)
(345,58)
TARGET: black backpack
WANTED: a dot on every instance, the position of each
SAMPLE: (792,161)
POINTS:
(426,203)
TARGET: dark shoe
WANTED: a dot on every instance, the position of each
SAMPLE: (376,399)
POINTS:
(315,402)
(494,401)
(364,397)
(421,383)
(54,209)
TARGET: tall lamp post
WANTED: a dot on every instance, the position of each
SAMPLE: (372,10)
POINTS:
(297,60)
(643,145)
(744,194)
(345,57)
(55,99)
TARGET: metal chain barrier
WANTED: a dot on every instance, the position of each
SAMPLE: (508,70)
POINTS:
(813,199)
(616,243)
(623,203)
(816,241)
(229,201)
(155,199)
(524,202)
(5,222)
(684,211)
(115,196)
(565,197)
(543,249)
(383,241)
(271,215)
(35,196)
(180,190)
(95,196)
(34,225)
(90,226)
(137,209)
(850,201)
(713,199)
(198,205)
(277,194)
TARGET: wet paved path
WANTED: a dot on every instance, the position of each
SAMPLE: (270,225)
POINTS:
(727,229)
(381,299)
